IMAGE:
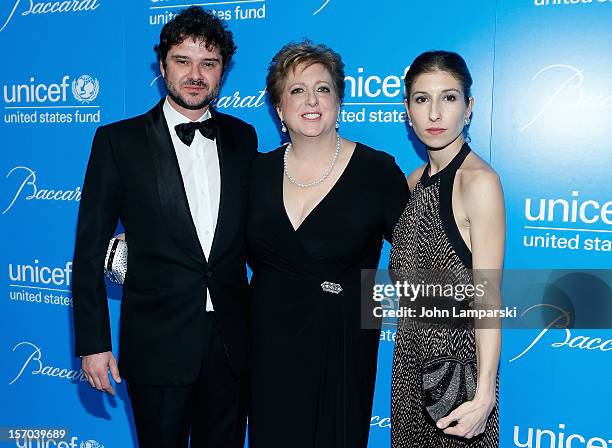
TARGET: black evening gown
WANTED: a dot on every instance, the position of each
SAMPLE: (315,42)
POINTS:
(313,368)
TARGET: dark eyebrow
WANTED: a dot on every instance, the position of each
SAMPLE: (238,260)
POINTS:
(443,91)
(183,57)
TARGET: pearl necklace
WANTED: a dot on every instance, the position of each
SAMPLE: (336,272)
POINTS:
(318,181)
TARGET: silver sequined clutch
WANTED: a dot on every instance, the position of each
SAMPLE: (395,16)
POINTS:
(448,383)
(115,262)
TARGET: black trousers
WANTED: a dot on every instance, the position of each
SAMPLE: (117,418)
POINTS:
(210,413)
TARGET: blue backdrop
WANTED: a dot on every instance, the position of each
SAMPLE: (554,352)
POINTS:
(543,102)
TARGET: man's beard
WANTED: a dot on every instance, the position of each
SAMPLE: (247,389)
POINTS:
(178,99)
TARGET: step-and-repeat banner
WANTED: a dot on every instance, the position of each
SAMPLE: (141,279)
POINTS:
(542,84)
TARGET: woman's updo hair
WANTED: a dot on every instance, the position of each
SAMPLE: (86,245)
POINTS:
(443,61)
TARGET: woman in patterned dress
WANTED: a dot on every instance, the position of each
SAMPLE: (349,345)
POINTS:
(454,223)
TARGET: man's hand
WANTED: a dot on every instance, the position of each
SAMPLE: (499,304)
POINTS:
(96,369)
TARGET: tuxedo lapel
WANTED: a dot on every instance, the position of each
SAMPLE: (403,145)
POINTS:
(228,220)
(170,187)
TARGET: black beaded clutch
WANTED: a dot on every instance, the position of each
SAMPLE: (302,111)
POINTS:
(447,383)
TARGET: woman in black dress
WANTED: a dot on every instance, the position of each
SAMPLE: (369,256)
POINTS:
(444,385)
(319,209)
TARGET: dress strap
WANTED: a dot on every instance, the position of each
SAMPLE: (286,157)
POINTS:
(447,182)
(451,168)
(459,158)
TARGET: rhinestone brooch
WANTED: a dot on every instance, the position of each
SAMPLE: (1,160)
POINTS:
(333,288)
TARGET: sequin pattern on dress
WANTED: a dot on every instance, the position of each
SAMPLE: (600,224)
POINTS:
(426,237)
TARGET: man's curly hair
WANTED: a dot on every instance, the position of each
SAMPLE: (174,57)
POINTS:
(198,24)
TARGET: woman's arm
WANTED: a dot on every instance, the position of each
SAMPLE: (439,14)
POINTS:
(484,207)
(486,212)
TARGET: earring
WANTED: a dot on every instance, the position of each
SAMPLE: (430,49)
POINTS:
(337,124)
(283,127)
(409,122)
(467,121)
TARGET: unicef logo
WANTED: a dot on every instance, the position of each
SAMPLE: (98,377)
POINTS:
(91,444)
(85,89)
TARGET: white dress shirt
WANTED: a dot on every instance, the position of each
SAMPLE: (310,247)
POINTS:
(199,164)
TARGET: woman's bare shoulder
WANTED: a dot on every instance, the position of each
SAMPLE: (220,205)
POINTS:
(479,185)
(415,176)
(476,174)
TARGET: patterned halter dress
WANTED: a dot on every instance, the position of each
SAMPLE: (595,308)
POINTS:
(426,238)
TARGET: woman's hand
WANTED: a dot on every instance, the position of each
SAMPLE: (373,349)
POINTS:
(120,236)
(471,418)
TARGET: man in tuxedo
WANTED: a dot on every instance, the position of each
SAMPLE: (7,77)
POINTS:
(177,178)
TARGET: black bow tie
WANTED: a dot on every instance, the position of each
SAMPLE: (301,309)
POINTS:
(186,131)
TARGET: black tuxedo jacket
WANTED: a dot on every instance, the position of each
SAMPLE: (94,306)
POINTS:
(133,174)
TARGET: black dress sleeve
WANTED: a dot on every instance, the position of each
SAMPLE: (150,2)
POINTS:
(395,194)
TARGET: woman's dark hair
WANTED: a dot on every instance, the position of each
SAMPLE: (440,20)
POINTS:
(444,61)
(306,54)
(197,24)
